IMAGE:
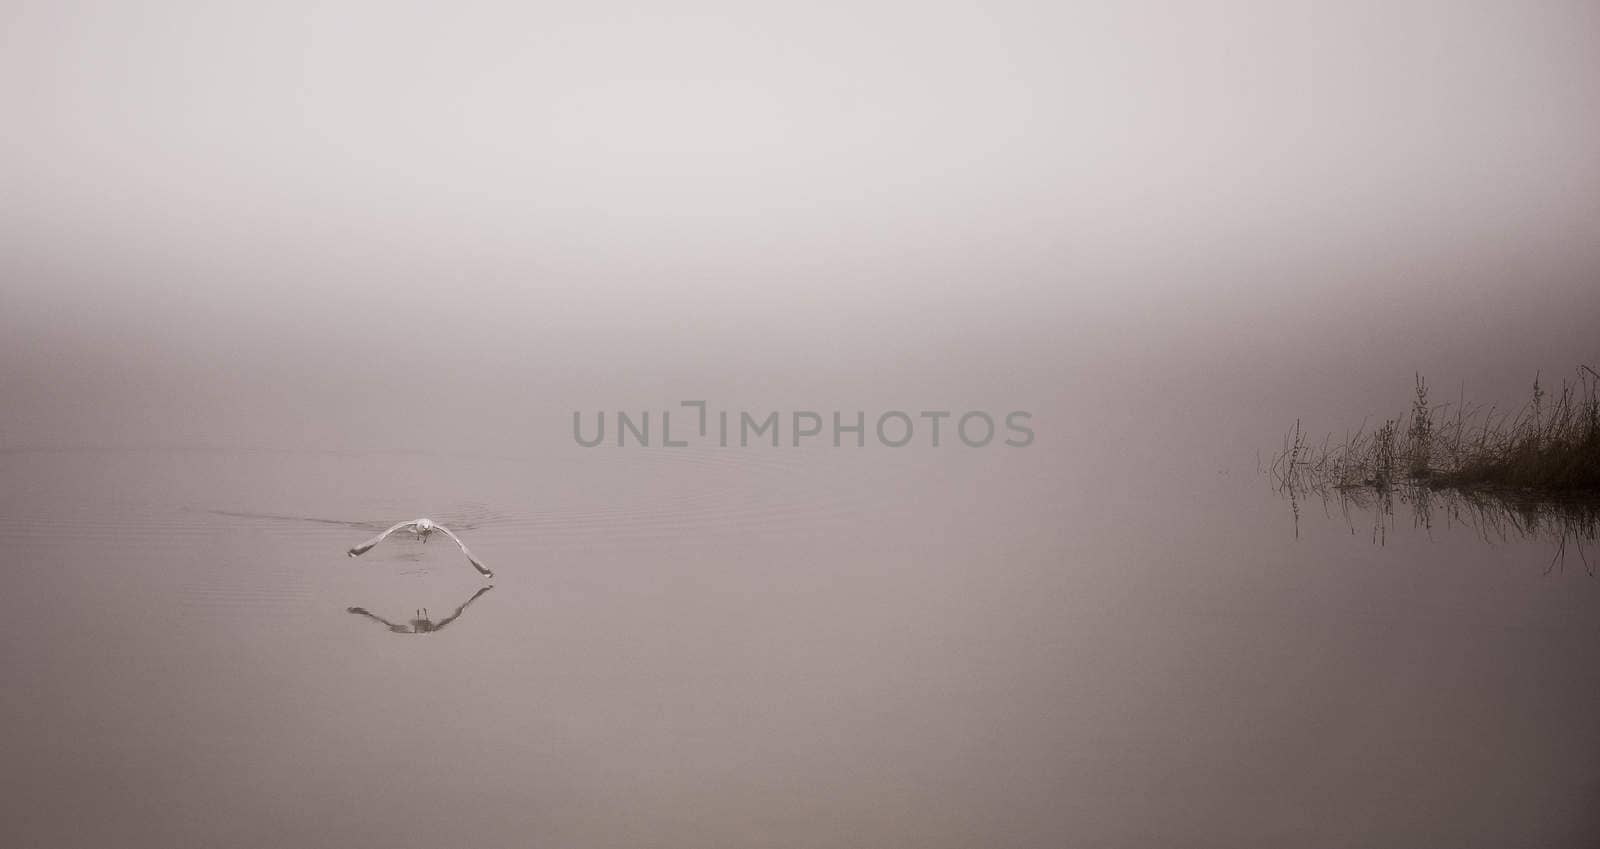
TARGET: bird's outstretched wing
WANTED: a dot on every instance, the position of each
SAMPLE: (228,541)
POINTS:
(473,560)
(367,546)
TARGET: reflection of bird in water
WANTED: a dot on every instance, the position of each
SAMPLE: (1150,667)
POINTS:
(422,624)
(423,529)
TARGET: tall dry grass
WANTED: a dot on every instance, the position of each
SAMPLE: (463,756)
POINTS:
(1551,445)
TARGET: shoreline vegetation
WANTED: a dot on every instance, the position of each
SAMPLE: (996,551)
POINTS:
(1530,473)
(1550,447)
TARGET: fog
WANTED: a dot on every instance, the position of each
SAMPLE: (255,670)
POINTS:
(272,275)
(220,212)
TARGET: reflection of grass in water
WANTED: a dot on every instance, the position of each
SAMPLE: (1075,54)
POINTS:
(1551,445)
(1533,474)
(1495,515)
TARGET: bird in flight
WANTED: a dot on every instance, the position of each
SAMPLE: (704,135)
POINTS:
(423,528)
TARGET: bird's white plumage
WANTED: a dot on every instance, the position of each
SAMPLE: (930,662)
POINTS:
(367,546)
(423,527)
(470,559)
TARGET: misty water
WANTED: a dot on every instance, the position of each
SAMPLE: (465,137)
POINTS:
(714,647)
(275,276)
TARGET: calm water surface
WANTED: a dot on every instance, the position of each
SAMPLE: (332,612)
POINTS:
(704,648)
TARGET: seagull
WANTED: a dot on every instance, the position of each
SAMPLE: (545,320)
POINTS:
(422,528)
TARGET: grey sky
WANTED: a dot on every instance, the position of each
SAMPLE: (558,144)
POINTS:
(204,197)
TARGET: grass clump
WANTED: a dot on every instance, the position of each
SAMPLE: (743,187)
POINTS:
(1552,445)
